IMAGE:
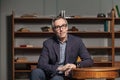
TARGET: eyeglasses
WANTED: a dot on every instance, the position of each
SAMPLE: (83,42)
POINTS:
(60,27)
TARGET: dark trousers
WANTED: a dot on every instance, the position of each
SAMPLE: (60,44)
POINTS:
(39,74)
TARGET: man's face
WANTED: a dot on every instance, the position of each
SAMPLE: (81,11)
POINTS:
(60,28)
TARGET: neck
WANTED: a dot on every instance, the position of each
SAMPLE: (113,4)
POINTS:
(63,39)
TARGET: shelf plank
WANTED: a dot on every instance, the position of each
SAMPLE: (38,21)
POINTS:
(32,20)
(97,47)
(78,33)
(117,34)
(93,47)
(70,18)
(117,63)
(22,71)
(25,62)
(28,48)
(88,20)
(117,49)
(102,62)
(117,21)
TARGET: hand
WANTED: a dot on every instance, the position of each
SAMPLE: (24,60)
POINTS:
(60,68)
(68,68)
(63,68)
(67,72)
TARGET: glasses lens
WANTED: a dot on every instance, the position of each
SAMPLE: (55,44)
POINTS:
(62,26)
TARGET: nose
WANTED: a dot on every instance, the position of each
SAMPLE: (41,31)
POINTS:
(61,28)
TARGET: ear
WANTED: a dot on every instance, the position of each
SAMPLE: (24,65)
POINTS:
(66,28)
(53,29)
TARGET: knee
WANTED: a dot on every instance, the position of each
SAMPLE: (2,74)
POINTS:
(57,77)
(37,71)
(37,74)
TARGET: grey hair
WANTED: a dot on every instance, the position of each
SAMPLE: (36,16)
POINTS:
(57,18)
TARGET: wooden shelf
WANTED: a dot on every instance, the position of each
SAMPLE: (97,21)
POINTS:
(117,20)
(39,48)
(22,71)
(25,62)
(117,63)
(117,49)
(81,34)
(20,48)
(102,62)
(32,20)
(96,47)
(117,34)
(88,20)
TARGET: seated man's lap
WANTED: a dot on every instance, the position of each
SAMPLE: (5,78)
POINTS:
(39,74)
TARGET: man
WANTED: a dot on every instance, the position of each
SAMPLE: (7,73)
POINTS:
(60,53)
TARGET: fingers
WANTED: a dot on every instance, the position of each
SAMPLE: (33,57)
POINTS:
(67,72)
(60,68)
(70,66)
(66,68)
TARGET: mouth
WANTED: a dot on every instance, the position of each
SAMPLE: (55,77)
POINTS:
(61,33)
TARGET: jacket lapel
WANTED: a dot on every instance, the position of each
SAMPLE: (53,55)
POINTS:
(68,47)
(57,50)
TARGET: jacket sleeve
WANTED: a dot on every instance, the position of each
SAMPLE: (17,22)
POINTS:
(43,61)
(86,60)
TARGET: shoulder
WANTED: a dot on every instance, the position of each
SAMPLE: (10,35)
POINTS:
(50,40)
(72,37)
(75,40)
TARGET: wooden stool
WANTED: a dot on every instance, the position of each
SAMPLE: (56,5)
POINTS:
(109,73)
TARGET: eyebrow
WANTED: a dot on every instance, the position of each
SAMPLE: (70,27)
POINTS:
(62,24)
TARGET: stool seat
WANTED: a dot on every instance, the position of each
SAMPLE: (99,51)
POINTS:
(96,72)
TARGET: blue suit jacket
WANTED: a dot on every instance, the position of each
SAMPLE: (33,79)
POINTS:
(50,55)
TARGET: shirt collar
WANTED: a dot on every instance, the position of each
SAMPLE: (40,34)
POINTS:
(63,41)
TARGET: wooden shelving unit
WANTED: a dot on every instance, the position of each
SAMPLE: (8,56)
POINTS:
(35,50)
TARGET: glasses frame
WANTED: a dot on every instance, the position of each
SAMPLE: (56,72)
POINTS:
(63,26)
